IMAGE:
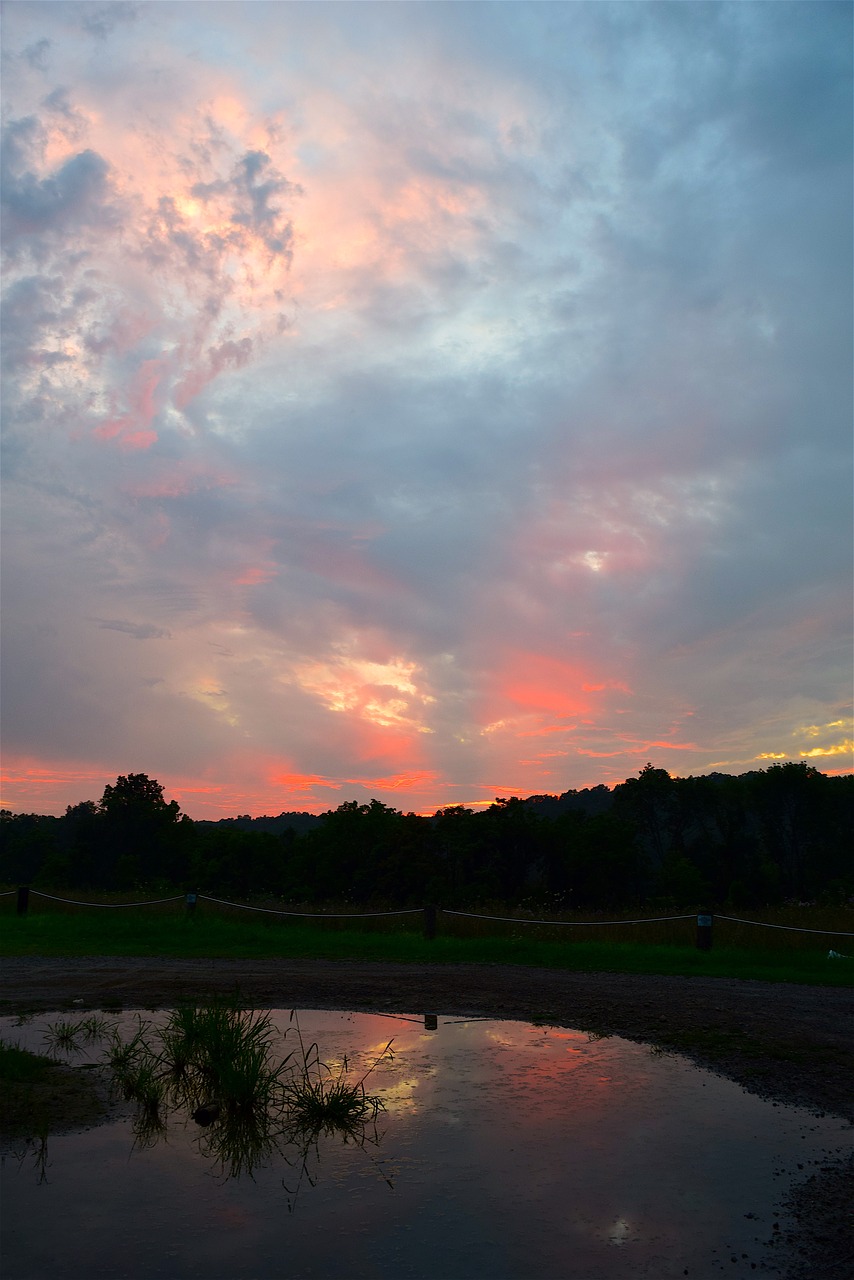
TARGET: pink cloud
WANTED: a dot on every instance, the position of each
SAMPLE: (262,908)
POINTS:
(132,429)
(538,682)
(343,559)
(254,575)
(545,730)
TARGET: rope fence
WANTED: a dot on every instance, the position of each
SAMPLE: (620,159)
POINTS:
(574,924)
(313,915)
(73,902)
(791,928)
(429,915)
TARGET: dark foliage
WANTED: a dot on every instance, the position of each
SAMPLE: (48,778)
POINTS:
(762,838)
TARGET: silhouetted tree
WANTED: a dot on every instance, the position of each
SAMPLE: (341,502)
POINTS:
(141,834)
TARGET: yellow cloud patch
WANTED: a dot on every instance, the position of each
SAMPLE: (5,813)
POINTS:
(837,749)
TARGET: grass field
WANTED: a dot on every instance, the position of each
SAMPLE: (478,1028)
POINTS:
(212,933)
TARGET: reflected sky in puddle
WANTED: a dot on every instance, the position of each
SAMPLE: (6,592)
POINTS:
(515,1152)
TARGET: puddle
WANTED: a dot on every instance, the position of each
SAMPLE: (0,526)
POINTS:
(513,1151)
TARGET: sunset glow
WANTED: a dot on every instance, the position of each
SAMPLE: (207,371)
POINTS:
(427,402)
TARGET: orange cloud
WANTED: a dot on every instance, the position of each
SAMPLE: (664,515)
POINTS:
(545,730)
(386,694)
(301,781)
(398,781)
(27,781)
(374,742)
(540,683)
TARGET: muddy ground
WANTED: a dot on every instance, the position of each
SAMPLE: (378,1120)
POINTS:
(791,1043)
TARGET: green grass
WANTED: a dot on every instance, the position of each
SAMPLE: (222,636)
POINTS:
(19,1066)
(38,1095)
(141,933)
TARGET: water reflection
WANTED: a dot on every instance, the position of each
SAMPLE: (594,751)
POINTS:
(33,1153)
(223,1068)
(514,1150)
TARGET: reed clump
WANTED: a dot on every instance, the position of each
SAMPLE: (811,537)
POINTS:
(218,1053)
(322,1099)
(227,1068)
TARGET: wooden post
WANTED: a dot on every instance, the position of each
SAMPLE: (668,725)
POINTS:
(23,899)
(430,923)
(705,921)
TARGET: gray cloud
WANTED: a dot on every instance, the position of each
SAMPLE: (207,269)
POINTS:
(101,20)
(70,198)
(557,434)
(138,630)
(37,54)
(253,185)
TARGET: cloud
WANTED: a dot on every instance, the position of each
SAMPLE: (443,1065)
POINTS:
(248,199)
(69,198)
(489,394)
(138,630)
(37,53)
(101,20)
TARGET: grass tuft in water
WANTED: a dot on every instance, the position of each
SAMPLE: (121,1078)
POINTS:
(64,1036)
(323,1100)
(222,1053)
(225,1066)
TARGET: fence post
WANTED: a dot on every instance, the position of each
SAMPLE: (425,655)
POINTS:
(23,899)
(704,931)
(430,923)
(191,905)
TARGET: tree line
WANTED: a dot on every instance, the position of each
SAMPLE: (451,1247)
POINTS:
(753,840)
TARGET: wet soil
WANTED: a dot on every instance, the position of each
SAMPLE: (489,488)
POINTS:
(792,1044)
(61,1099)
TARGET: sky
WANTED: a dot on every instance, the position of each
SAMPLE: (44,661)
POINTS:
(423,402)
